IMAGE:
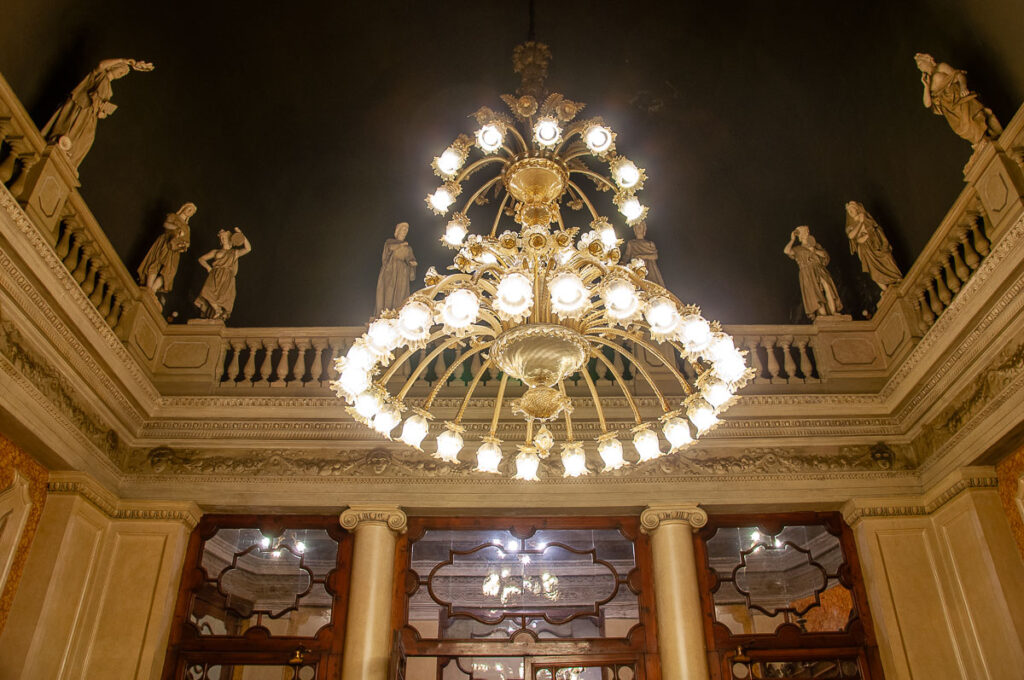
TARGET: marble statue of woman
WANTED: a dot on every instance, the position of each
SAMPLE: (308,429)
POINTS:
(161,262)
(73,127)
(816,286)
(397,269)
(946,94)
(217,298)
(870,245)
(645,250)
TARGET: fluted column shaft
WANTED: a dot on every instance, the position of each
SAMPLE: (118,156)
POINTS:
(676,593)
(368,627)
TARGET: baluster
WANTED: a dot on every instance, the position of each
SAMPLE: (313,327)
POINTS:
(74,250)
(234,361)
(981,242)
(115,308)
(63,246)
(250,362)
(301,363)
(959,267)
(28,159)
(334,353)
(925,310)
(122,316)
(755,359)
(281,369)
(7,165)
(99,284)
(5,128)
(804,350)
(108,299)
(971,257)
(773,362)
(933,299)
(265,365)
(952,280)
(83,262)
(317,373)
(89,284)
(944,295)
(786,343)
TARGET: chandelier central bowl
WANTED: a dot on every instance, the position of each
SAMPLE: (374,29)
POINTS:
(535,179)
(540,355)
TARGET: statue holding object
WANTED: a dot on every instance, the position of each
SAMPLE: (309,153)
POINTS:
(217,298)
(397,270)
(817,288)
(160,265)
(641,248)
(869,244)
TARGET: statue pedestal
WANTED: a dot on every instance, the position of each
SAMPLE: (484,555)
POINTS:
(999,182)
(46,188)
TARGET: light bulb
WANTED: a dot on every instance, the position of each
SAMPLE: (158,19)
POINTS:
(386,420)
(359,355)
(716,392)
(608,236)
(611,454)
(694,332)
(620,300)
(382,336)
(543,439)
(367,404)
(677,432)
(449,443)
(449,162)
(720,347)
(598,138)
(354,380)
(625,173)
(455,231)
(488,457)
(527,464)
(414,321)
(547,132)
(647,445)
(441,199)
(264,542)
(300,547)
(632,209)
(662,316)
(460,309)
(514,295)
(489,137)
(701,415)
(568,293)
(731,367)
(414,430)
(574,460)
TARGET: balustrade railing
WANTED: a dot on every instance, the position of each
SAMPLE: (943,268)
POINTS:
(283,357)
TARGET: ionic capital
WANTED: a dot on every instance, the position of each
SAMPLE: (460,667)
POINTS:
(359,516)
(656,516)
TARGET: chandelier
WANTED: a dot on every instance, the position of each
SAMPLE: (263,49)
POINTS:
(538,302)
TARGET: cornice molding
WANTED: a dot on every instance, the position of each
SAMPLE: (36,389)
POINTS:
(85,487)
(923,505)
(359,516)
(656,516)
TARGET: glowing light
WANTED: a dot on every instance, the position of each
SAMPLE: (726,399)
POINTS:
(632,209)
(547,132)
(414,321)
(354,380)
(606,233)
(449,162)
(490,138)
(382,336)
(359,356)
(460,309)
(544,440)
(386,419)
(598,138)
(663,317)
(716,392)
(731,367)
(694,332)
(647,445)
(721,346)
(488,457)
(677,432)
(449,443)
(574,460)
(620,300)
(264,542)
(441,199)
(456,229)
(367,404)
(514,297)
(611,453)
(701,415)
(300,547)
(568,293)
(527,464)
(414,430)
(755,536)
(625,173)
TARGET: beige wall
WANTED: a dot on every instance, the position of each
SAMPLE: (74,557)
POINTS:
(945,590)
(97,595)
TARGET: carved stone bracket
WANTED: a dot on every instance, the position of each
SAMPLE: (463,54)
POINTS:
(689,513)
(359,516)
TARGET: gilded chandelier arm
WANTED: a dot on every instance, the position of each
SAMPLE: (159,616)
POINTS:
(622,383)
(636,364)
(459,360)
(596,398)
(469,391)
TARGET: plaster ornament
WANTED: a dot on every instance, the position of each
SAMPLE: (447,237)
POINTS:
(817,288)
(397,269)
(73,126)
(217,298)
(946,94)
(868,242)
(158,268)
(641,248)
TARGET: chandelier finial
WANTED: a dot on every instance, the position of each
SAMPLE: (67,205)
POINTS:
(530,59)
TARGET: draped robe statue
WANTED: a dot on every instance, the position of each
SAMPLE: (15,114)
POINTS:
(946,94)
(645,250)
(397,269)
(217,298)
(817,288)
(73,127)
(161,262)
(870,245)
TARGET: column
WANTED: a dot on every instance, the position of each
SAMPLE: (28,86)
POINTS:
(676,595)
(368,628)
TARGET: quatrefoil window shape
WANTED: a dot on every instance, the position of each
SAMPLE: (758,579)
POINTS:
(268,581)
(782,571)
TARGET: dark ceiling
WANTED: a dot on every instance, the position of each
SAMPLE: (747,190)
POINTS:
(312,125)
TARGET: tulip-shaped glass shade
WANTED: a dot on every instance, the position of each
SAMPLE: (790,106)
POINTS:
(488,457)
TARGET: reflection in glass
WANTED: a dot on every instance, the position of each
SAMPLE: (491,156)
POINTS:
(248,672)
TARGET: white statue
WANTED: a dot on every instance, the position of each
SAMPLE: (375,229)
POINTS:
(161,262)
(217,298)
(946,94)
(645,250)
(870,245)
(73,127)
(397,269)
(816,286)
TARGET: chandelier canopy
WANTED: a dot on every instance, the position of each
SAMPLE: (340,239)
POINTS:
(538,302)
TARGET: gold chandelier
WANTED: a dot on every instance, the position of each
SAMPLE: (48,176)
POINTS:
(539,302)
